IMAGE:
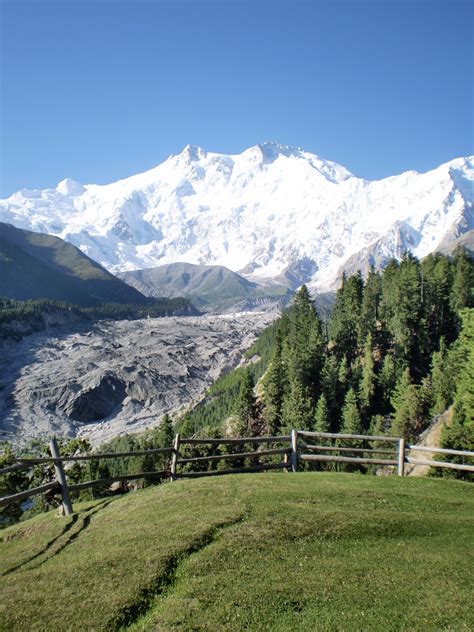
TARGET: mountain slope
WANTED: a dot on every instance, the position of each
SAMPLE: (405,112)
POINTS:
(209,287)
(35,265)
(271,212)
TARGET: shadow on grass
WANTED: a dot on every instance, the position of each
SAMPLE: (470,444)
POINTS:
(75,519)
(167,578)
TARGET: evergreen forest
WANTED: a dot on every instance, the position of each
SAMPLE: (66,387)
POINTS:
(397,351)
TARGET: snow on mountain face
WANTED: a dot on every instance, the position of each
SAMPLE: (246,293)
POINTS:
(268,212)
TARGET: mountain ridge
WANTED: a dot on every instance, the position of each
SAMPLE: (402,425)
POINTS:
(37,265)
(263,213)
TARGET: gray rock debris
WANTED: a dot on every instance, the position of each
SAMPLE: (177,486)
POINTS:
(120,376)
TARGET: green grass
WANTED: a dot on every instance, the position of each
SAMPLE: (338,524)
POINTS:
(252,552)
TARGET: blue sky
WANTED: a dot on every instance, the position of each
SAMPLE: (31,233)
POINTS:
(99,90)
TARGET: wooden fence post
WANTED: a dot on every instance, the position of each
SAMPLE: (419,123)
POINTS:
(175,455)
(401,456)
(61,477)
(294,450)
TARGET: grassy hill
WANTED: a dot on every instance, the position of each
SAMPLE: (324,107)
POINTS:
(36,265)
(276,552)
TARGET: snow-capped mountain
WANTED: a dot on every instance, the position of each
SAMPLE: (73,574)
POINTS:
(271,213)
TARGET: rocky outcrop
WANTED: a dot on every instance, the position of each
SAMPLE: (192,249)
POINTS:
(118,376)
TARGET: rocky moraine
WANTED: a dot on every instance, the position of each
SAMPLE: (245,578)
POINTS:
(116,376)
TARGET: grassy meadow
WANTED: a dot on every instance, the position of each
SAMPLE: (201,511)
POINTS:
(306,551)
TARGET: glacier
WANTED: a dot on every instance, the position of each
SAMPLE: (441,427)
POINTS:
(272,213)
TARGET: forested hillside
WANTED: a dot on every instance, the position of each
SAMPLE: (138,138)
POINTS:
(397,350)
(22,318)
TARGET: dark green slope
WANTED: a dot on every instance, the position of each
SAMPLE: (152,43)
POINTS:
(36,265)
(209,287)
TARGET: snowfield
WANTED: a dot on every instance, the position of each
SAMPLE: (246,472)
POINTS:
(272,210)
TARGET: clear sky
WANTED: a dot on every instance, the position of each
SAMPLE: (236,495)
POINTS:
(98,90)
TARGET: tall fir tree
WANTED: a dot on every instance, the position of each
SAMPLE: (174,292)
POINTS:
(345,323)
(321,415)
(245,407)
(274,384)
(442,379)
(305,345)
(351,419)
(372,295)
(406,406)
(297,409)
(462,291)
(367,385)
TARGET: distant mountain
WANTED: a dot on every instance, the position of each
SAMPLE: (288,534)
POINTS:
(272,213)
(465,241)
(210,288)
(35,265)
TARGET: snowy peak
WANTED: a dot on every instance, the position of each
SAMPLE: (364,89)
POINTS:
(271,212)
(70,187)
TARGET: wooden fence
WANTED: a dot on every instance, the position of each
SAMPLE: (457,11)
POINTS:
(301,447)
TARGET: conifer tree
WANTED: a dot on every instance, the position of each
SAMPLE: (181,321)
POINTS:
(436,282)
(351,420)
(406,405)
(304,352)
(462,291)
(165,435)
(345,323)
(367,386)
(387,381)
(297,408)
(321,416)
(441,379)
(351,424)
(465,359)
(330,387)
(274,388)
(245,404)
(370,309)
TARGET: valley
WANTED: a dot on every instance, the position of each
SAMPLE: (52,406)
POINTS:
(101,380)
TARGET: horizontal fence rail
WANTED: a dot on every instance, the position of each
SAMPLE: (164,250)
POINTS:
(237,455)
(334,435)
(117,479)
(224,440)
(236,470)
(91,457)
(298,449)
(41,489)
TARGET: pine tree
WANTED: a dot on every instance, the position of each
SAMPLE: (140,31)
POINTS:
(245,404)
(345,323)
(367,386)
(436,282)
(387,382)
(274,388)
(406,405)
(330,388)
(442,379)
(297,408)
(321,416)
(304,351)
(351,424)
(465,359)
(351,420)
(370,309)
(462,291)
(165,433)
